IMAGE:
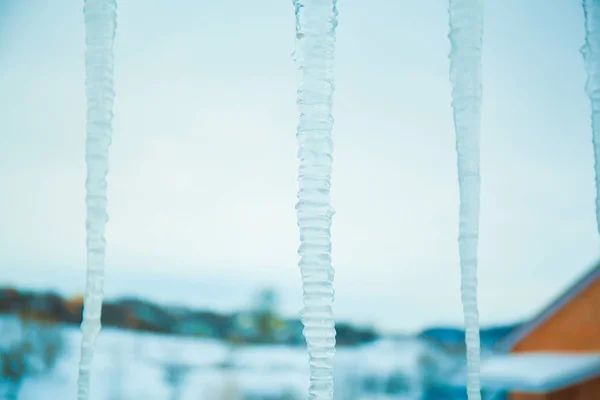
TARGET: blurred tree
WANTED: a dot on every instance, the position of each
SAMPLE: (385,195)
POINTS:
(266,300)
(14,369)
(265,313)
(35,350)
(174,375)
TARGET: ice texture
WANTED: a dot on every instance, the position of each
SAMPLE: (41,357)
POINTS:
(316,21)
(100,25)
(591,57)
(466,31)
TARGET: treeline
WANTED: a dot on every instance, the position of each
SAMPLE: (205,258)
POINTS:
(260,325)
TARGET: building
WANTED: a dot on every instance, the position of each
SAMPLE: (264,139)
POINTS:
(555,355)
(562,344)
(571,323)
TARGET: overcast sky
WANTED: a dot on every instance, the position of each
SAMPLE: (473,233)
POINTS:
(202,182)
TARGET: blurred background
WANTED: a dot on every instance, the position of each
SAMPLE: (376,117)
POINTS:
(202,286)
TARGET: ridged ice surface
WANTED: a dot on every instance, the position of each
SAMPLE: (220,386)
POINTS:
(591,57)
(466,31)
(316,21)
(100,24)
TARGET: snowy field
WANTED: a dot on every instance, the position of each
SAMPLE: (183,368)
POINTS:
(133,365)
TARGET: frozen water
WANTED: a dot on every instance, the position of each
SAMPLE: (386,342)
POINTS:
(591,56)
(316,21)
(100,24)
(466,31)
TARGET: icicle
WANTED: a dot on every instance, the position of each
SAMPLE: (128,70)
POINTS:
(591,57)
(316,21)
(100,24)
(466,31)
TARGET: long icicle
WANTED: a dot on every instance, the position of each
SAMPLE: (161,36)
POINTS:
(316,21)
(100,25)
(466,32)
(591,57)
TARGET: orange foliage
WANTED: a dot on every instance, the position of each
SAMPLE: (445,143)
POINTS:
(74,304)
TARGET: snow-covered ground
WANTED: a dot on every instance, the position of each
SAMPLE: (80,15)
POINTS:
(134,365)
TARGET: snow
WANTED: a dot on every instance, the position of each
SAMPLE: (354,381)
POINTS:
(388,361)
(134,365)
(316,21)
(100,23)
(536,372)
(466,32)
(279,358)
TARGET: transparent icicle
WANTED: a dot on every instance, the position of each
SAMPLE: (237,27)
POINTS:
(466,32)
(100,25)
(316,21)
(591,57)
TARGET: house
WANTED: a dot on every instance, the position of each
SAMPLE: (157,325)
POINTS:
(542,376)
(555,355)
(566,338)
(571,323)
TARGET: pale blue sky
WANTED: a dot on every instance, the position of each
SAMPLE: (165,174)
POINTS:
(203,170)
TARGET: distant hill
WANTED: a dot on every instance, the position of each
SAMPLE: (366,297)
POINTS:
(137,314)
(453,339)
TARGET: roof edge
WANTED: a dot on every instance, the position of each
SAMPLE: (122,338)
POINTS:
(559,302)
